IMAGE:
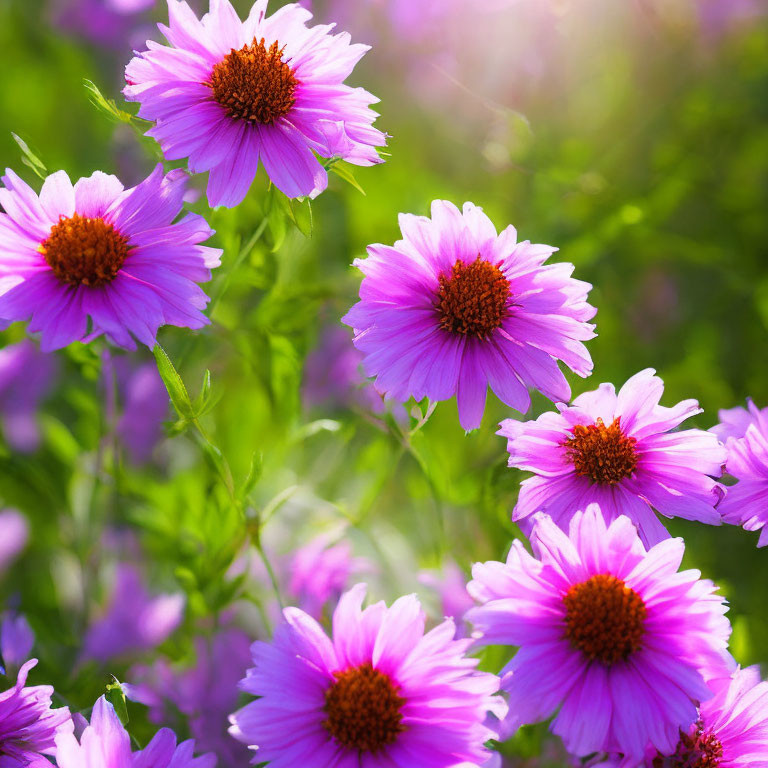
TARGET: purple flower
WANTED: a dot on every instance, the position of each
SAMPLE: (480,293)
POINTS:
(333,375)
(454,307)
(28,725)
(26,377)
(145,408)
(719,17)
(612,637)
(380,693)
(454,598)
(227,94)
(732,729)
(14,533)
(16,640)
(102,252)
(618,450)
(318,574)
(107,23)
(134,621)
(746,434)
(106,744)
(205,693)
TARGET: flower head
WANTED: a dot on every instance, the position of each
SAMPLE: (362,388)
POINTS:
(204,693)
(380,693)
(134,620)
(454,307)
(746,434)
(227,94)
(731,731)
(611,637)
(16,640)
(28,725)
(100,252)
(106,744)
(318,573)
(618,450)
(26,377)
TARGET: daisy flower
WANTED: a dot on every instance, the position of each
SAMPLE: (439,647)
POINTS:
(618,450)
(227,94)
(101,252)
(746,435)
(106,744)
(28,725)
(732,729)
(612,638)
(379,694)
(454,307)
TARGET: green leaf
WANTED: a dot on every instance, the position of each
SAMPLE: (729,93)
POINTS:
(116,697)
(173,383)
(343,171)
(110,109)
(301,215)
(254,475)
(29,158)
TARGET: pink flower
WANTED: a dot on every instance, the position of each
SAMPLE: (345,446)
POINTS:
(380,693)
(106,744)
(78,261)
(454,307)
(228,94)
(746,434)
(610,637)
(618,450)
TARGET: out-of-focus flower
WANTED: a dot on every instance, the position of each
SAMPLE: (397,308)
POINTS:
(618,450)
(144,409)
(28,725)
(746,434)
(720,17)
(134,620)
(16,640)
(333,375)
(96,250)
(26,377)
(380,693)
(612,637)
(732,729)
(454,307)
(451,586)
(318,573)
(116,24)
(227,94)
(106,744)
(14,533)
(204,693)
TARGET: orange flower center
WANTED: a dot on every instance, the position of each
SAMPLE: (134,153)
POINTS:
(363,709)
(604,619)
(254,83)
(603,454)
(697,750)
(83,251)
(473,299)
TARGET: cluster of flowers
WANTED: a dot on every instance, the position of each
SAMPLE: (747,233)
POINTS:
(630,653)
